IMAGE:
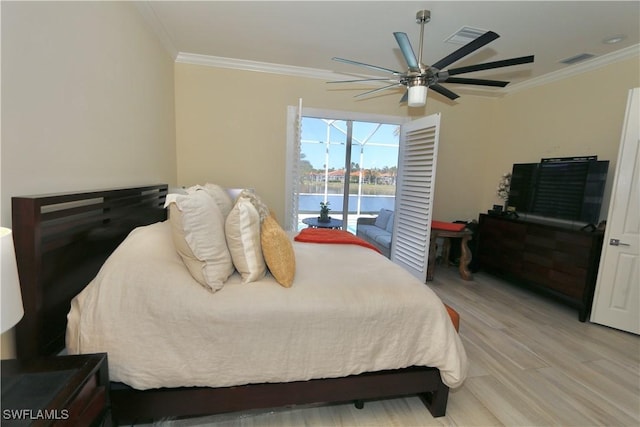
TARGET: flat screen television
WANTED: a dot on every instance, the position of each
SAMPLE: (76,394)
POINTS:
(569,188)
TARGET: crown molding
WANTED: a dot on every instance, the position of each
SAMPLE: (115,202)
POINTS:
(261,67)
(574,70)
(327,75)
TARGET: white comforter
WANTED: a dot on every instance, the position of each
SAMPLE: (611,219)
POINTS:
(350,310)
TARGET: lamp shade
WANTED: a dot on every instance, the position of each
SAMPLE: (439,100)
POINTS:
(417,96)
(11,309)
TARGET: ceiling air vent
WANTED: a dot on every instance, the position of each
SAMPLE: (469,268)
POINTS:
(465,35)
(578,58)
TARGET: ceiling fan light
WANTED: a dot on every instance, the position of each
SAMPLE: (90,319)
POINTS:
(417,96)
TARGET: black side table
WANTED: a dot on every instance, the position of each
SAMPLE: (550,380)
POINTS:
(56,391)
(314,223)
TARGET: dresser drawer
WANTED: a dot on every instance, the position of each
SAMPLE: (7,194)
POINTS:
(559,261)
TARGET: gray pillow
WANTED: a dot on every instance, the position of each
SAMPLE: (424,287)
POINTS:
(389,227)
(383,218)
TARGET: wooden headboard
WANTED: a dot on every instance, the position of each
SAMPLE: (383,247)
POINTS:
(61,241)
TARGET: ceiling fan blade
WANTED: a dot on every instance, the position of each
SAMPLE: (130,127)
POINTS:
(405,97)
(361,80)
(407,51)
(377,90)
(465,50)
(491,65)
(444,91)
(362,64)
(480,82)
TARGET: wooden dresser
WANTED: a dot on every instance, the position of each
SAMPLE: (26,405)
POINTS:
(558,261)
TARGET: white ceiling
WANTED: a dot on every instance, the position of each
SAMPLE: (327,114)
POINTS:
(278,36)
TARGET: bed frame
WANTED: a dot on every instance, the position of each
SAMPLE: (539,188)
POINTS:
(61,242)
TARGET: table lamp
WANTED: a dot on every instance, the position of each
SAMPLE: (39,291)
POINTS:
(11,309)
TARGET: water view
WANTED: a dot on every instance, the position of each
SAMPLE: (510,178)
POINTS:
(369,204)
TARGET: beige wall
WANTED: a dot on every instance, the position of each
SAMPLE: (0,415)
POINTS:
(87,102)
(230,128)
(87,99)
(465,132)
(581,115)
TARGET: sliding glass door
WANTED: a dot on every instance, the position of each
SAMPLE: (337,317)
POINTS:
(354,161)
(349,164)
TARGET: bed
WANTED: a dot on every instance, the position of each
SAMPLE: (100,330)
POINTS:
(62,243)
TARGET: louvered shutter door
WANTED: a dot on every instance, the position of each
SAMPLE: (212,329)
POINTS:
(294,137)
(414,199)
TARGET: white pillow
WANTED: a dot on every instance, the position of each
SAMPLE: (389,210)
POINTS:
(219,195)
(242,229)
(198,234)
(256,201)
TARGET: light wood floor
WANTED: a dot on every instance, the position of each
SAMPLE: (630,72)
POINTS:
(532,364)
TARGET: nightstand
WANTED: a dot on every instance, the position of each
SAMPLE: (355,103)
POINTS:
(56,391)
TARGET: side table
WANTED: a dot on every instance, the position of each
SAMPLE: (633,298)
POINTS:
(465,257)
(56,391)
(314,223)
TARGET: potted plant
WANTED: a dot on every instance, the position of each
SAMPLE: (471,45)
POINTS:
(504,186)
(324,212)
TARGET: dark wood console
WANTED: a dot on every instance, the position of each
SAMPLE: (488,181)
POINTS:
(560,261)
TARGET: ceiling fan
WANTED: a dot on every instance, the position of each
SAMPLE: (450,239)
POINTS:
(419,76)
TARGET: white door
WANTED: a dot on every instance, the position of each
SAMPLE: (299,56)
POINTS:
(617,296)
(414,194)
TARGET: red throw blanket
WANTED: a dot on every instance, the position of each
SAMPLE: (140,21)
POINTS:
(327,235)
